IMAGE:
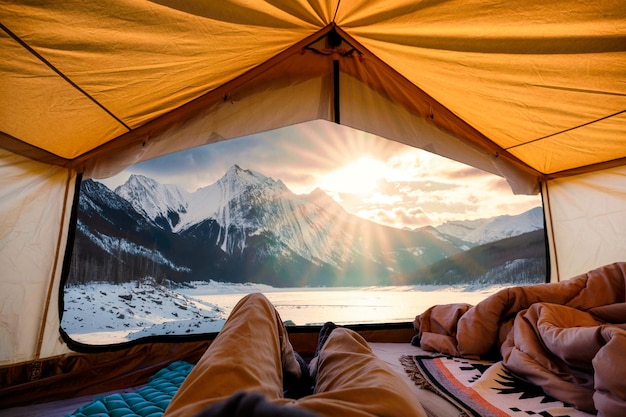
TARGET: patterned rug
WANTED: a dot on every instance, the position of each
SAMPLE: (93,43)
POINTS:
(481,388)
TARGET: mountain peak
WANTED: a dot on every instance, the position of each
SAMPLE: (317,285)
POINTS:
(160,203)
(136,179)
(245,176)
(234,169)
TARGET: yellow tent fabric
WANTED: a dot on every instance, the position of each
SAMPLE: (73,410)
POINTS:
(541,83)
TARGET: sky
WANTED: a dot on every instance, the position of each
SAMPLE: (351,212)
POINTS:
(374,178)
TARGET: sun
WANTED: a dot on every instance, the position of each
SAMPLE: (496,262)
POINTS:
(360,176)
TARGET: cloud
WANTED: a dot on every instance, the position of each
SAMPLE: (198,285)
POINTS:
(400,217)
(379,199)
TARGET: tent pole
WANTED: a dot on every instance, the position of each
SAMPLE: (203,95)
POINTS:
(547,208)
(336,112)
(44,319)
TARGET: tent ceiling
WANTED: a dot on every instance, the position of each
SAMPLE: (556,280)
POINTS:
(540,83)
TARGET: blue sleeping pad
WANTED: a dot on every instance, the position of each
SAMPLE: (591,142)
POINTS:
(149,401)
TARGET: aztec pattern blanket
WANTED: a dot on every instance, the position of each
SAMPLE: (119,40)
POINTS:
(483,389)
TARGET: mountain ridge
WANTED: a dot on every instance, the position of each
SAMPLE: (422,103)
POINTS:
(474,231)
(249,227)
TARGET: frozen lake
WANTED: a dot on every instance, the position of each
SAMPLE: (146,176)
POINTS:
(305,306)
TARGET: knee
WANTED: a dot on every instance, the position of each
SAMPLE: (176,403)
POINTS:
(342,333)
(255,298)
(343,336)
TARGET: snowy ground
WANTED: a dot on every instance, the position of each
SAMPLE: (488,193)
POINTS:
(106,313)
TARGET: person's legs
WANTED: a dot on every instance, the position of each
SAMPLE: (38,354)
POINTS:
(250,353)
(353,381)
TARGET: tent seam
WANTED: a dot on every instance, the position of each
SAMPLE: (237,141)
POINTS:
(567,130)
(62,75)
(336,11)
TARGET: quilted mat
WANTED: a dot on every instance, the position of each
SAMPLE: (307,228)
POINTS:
(148,401)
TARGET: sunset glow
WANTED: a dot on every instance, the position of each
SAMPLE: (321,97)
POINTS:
(359,177)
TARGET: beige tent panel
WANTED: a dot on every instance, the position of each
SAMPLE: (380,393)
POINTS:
(35,218)
(220,124)
(588,220)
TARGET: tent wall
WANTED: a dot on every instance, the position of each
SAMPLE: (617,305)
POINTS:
(35,202)
(587,221)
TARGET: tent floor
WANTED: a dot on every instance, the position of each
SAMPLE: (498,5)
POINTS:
(113,368)
(389,352)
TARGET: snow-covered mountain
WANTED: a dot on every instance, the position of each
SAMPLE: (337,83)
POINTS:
(238,187)
(249,227)
(246,204)
(481,231)
(163,204)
